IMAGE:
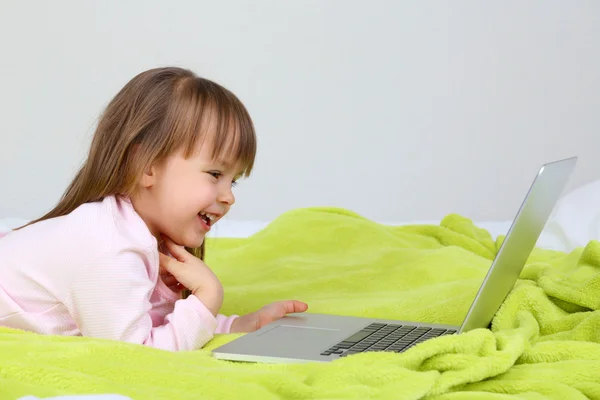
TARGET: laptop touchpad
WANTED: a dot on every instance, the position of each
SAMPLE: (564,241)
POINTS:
(301,334)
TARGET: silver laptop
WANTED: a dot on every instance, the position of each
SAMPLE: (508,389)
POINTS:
(306,337)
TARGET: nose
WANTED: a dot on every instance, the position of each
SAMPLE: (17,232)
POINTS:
(226,196)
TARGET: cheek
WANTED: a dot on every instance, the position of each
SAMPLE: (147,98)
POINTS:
(201,195)
(175,197)
(172,195)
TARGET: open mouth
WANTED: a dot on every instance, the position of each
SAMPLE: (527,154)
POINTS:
(207,218)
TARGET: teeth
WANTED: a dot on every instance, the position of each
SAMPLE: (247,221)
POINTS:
(212,217)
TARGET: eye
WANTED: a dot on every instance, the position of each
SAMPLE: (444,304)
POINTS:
(215,174)
(236,180)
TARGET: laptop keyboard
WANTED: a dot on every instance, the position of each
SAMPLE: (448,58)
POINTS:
(385,337)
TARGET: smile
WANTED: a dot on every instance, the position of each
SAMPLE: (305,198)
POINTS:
(207,217)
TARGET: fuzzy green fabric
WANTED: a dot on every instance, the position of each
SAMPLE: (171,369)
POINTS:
(544,342)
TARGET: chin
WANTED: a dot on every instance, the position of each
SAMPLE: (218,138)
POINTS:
(189,240)
(195,242)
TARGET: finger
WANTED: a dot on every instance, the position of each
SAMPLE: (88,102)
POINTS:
(177,288)
(179,252)
(293,306)
(168,263)
(170,280)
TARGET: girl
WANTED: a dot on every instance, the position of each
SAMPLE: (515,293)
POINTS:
(112,258)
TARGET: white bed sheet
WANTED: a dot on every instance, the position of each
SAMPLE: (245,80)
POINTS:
(574,222)
(240,229)
(233,228)
(80,397)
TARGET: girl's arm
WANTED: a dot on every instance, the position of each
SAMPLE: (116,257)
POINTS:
(110,299)
(163,303)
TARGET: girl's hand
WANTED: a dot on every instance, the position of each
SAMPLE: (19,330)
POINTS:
(267,314)
(193,274)
(170,281)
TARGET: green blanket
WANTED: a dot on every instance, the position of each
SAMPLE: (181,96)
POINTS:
(544,342)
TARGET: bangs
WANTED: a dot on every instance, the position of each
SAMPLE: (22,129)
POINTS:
(209,113)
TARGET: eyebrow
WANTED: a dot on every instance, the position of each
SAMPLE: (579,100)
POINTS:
(223,163)
(228,166)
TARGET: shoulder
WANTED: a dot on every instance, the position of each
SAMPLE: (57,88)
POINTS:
(93,230)
(95,238)
(127,249)
(117,226)
(127,222)
(113,217)
(119,236)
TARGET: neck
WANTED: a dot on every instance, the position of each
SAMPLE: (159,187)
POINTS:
(142,207)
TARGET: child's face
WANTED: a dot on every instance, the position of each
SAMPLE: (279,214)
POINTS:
(182,198)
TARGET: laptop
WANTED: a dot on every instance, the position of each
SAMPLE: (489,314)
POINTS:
(307,337)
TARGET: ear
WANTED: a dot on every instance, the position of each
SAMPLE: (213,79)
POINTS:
(148,177)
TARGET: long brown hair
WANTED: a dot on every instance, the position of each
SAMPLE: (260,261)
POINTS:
(158,112)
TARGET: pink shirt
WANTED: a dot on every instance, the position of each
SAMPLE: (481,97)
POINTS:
(95,273)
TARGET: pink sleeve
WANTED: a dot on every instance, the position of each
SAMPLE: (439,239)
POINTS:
(164,301)
(111,299)
(224,323)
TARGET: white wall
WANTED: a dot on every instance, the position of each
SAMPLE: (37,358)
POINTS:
(397,110)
